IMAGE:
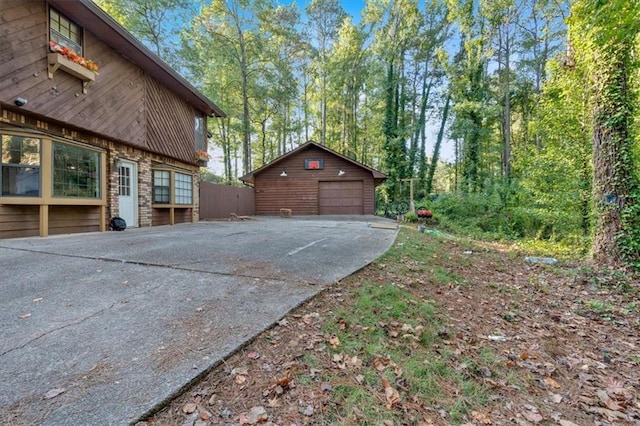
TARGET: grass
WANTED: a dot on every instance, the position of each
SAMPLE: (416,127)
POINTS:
(394,334)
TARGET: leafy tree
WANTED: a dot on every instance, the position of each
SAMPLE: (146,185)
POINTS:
(325,18)
(603,36)
(156,22)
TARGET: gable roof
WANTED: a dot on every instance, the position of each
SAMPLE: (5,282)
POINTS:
(249,177)
(88,15)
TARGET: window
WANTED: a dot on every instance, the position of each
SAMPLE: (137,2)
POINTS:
(124,181)
(184,189)
(20,166)
(76,172)
(201,137)
(161,186)
(166,183)
(64,32)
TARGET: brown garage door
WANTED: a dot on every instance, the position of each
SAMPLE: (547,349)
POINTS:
(342,197)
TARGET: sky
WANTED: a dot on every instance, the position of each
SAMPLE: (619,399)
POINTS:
(352,7)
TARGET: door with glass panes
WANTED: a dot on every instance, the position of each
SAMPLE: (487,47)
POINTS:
(128,192)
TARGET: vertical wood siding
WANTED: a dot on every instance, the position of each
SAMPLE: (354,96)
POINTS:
(170,121)
(299,190)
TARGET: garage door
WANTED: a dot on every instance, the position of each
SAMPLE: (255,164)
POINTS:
(343,197)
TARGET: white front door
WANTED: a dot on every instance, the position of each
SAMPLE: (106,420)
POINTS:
(128,192)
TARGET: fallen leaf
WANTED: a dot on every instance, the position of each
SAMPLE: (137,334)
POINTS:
(334,341)
(256,415)
(326,387)
(204,415)
(308,411)
(567,423)
(189,408)
(25,316)
(244,371)
(285,379)
(532,416)
(392,395)
(551,383)
(240,379)
(54,392)
(607,401)
(557,398)
(481,417)
(253,355)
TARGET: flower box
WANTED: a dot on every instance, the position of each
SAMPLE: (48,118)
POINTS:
(202,158)
(58,61)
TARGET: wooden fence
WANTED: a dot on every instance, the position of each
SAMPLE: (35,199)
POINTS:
(219,201)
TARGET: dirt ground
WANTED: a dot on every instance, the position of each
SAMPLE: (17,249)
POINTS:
(565,342)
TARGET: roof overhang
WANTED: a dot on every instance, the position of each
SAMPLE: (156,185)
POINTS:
(249,178)
(95,20)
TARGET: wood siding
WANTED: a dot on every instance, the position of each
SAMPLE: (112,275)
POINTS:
(163,216)
(73,219)
(170,120)
(24,221)
(123,104)
(299,190)
(19,221)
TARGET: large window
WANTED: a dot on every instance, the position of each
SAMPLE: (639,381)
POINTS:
(171,187)
(20,166)
(76,171)
(184,189)
(64,32)
(161,186)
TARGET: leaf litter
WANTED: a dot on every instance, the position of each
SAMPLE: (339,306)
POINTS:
(549,344)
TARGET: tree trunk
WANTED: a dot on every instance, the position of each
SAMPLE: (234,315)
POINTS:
(436,148)
(613,178)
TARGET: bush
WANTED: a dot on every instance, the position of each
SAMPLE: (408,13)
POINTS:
(411,217)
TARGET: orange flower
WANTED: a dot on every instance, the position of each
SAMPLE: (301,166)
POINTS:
(73,56)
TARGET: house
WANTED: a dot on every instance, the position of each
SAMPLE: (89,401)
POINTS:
(314,180)
(93,125)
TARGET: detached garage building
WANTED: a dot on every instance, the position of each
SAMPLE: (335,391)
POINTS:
(313,179)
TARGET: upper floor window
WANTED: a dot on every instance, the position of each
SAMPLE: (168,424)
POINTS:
(20,166)
(64,32)
(201,134)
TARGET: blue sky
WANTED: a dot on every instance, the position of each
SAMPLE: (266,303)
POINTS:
(352,7)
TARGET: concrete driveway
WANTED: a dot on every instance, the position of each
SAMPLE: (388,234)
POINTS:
(102,328)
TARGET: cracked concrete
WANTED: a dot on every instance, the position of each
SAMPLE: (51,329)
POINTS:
(122,321)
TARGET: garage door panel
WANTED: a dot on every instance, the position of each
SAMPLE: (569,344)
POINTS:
(341,197)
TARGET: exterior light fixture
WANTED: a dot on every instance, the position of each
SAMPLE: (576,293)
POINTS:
(284,173)
(341,173)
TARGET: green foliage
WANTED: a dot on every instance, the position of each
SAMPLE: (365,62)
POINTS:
(411,217)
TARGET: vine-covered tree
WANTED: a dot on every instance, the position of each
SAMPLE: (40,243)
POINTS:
(603,36)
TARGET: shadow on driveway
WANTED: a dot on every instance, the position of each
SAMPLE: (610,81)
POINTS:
(103,328)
